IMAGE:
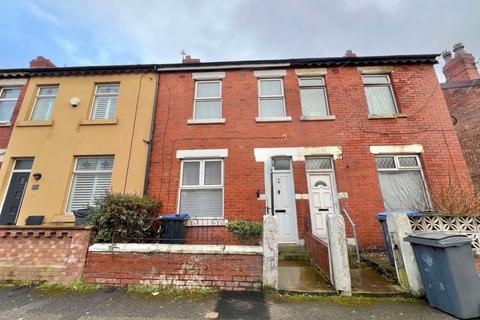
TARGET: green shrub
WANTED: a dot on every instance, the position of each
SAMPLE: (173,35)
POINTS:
(120,218)
(245,230)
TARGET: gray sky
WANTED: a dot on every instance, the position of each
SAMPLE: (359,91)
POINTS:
(88,32)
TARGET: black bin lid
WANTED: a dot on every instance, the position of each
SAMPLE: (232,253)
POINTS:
(438,239)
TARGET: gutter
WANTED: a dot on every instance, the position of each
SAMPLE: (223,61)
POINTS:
(149,142)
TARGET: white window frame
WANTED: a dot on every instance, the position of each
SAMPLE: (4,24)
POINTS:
(76,172)
(196,98)
(270,97)
(388,84)
(45,96)
(403,168)
(323,86)
(9,99)
(96,94)
(201,183)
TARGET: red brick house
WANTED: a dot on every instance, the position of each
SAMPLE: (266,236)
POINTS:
(462,93)
(301,138)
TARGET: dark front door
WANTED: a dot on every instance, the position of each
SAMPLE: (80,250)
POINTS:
(14,197)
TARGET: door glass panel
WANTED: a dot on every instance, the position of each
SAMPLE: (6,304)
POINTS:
(281,164)
(23,164)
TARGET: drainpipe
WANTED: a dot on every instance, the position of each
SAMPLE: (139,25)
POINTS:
(149,142)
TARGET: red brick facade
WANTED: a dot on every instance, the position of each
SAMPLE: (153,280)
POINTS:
(43,254)
(228,272)
(417,93)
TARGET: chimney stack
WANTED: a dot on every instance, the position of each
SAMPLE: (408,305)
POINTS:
(189,60)
(350,54)
(461,67)
(41,62)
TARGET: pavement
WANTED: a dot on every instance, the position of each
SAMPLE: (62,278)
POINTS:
(27,303)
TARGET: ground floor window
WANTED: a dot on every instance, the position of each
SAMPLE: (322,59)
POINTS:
(401,182)
(92,177)
(201,188)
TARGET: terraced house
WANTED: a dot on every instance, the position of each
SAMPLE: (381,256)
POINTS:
(80,132)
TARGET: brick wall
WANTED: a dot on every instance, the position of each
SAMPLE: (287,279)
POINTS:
(42,254)
(463,100)
(418,95)
(318,251)
(188,270)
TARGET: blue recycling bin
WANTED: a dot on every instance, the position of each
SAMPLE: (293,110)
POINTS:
(382,218)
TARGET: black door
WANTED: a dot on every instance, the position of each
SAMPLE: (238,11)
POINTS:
(14,197)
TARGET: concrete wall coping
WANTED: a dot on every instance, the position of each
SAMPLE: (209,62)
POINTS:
(175,248)
(46,227)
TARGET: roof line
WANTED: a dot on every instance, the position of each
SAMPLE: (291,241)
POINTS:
(327,61)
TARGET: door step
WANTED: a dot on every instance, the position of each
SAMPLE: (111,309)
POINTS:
(291,252)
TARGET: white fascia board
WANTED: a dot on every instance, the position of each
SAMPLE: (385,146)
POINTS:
(270,73)
(12,82)
(208,75)
(202,153)
(297,153)
(409,148)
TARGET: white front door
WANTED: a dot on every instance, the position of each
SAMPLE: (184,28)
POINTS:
(321,201)
(284,206)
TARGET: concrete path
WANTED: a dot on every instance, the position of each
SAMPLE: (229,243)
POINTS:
(116,304)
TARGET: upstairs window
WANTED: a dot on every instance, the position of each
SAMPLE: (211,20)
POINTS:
(8,100)
(379,94)
(44,102)
(401,182)
(313,97)
(92,177)
(105,101)
(201,188)
(208,100)
(271,98)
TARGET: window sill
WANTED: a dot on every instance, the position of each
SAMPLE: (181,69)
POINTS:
(205,121)
(313,118)
(387,116)
(206,222)
(5,123)
(90,122)
(34,123)
(273,119)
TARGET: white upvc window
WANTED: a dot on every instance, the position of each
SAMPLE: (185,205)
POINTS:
(271,100)
(313,97)
(208,100)
(379,94)
(105,101)
(91,181)
(8,100)
(402,182)
(201,188)
(44,102)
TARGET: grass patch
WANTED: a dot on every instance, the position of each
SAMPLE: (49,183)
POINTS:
(79,287)
(353,301)
(149,291)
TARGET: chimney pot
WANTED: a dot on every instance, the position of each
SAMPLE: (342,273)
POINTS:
(41,62)
(458,48)
(447,55)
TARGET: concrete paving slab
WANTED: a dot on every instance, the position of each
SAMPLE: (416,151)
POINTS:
(298,276)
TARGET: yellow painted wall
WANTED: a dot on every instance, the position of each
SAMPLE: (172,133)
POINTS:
(54,145)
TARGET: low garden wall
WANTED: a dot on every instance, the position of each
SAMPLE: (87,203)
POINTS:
(46,253)
(318,251)
(189,266)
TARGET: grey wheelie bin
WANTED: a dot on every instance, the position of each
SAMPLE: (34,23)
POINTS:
(448,272)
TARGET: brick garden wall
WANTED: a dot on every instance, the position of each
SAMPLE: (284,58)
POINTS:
(318,251)
(418,95)
(187,269)
(42,254)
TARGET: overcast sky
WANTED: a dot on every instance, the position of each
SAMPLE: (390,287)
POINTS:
(97,32)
